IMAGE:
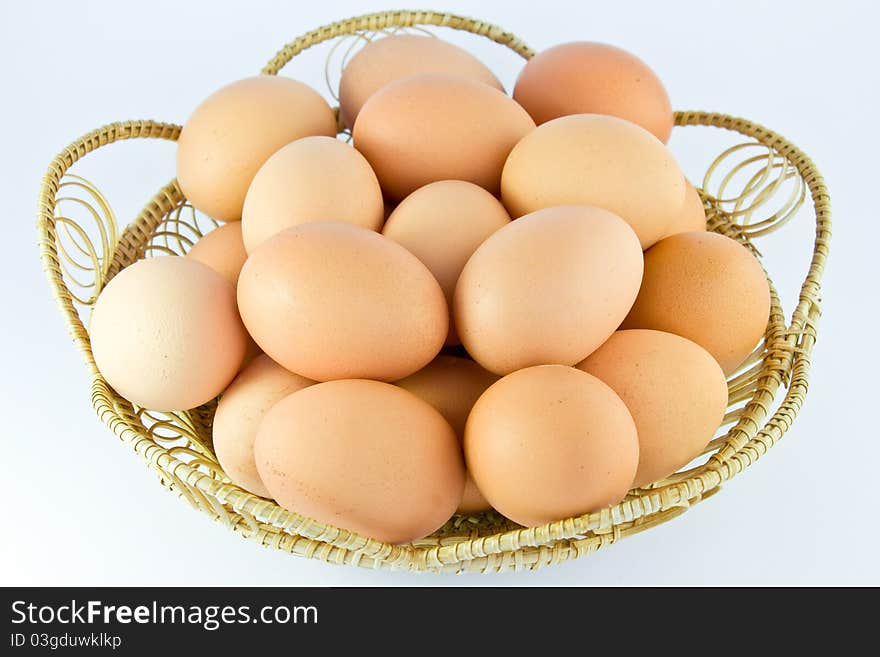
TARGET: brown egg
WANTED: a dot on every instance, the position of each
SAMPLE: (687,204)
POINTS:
(673,388)
(311,179)
(364,456)
(707,288)
(551,442)
(433,127)
(692,215)
(257,388)
(400,56)
(235,130)
(589,159)
(442,224)
(594,78)
(452,385)
(222,250)
(166,335)
(336,301)
(549,287)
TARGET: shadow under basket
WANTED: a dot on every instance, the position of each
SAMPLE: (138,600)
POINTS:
(81,255)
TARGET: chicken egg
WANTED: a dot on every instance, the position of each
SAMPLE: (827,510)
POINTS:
(399,56)
(242,406)
(674,389)
(550,442)
(364,456)
(594,78)
(707,288)
(442,224)
(434,127)
(452,385)
(311,179)
(590,159)
(336,301)
(166,334)
(235,130)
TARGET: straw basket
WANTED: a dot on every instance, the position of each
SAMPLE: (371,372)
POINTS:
(82,247)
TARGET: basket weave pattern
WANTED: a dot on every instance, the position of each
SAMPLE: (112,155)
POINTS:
(80,256)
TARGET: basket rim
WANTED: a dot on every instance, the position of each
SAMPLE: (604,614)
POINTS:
(788,356)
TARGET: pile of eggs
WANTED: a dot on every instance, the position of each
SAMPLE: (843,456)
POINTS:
(484,302)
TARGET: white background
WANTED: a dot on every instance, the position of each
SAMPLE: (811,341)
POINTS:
(80,508)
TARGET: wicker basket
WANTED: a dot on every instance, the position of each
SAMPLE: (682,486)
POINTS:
(80,256)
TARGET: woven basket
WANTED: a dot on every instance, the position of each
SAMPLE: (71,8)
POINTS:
(81,255)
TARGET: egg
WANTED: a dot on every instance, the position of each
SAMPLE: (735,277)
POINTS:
(257,388)
(235,130)
(311,179)
(594,78)
(362,455)
(707,288)
(434,127)
(550,442)
(547,288)
(165,333)
(442,224)
(590,159)
(335,301)
(673,388)
(452,385)
(398,56)
(692,215)
(223,251)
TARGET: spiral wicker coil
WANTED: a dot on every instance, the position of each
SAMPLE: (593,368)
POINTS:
(765,395)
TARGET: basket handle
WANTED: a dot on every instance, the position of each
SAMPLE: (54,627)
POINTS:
(402,18)
(52,254)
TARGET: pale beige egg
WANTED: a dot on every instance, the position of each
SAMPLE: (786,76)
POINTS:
(166,335)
